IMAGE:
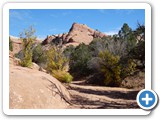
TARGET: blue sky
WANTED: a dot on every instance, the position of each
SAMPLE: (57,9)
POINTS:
(52,21)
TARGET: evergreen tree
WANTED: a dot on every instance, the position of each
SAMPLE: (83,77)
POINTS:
(126,34)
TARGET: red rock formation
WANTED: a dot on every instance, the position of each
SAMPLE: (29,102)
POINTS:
(78,33)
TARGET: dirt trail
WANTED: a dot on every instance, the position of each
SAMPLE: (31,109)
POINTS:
(95,97)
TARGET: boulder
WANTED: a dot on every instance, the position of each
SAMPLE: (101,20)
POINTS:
(48,39)
(33,89)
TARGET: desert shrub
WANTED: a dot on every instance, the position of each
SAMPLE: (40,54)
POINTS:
(10,44)
(57,65)
(68,51)
(39,55)
(16,55)
(26,61)
(62,76)
(116,57)
(128,67)
(93,64)
(114,46)
(110,60)
(79,59)
(117,47)
(27,37)
(138,53)
(56,59)
(110,68)
(97,45)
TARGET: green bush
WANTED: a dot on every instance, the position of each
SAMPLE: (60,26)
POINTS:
(56,60)
(138,53)
(57,65)
(27,37)
(68,51)
(62,76)
(39,55)
(110,68)
(16,55)
(26,61)
(79,59)
(98,45)
(128,69)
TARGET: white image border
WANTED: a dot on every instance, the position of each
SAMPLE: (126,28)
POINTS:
(8,6)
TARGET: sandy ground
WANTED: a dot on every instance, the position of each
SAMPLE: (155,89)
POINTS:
(95,97)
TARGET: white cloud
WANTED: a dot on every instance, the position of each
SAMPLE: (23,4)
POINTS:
(111,32)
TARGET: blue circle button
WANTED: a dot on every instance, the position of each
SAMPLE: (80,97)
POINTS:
(147,99)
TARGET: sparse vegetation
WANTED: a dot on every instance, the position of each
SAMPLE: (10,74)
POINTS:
(110,67)
(62,76)
(27,37)
(112,58)
(57,65)
(107,61)
(39,55)
(83,68)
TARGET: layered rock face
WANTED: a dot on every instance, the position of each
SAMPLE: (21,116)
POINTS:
(79,33)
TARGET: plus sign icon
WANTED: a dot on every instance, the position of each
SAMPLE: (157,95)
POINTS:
(147,99)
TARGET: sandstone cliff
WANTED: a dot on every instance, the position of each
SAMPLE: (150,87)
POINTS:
(78,33)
